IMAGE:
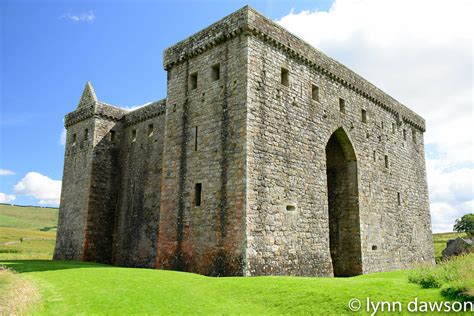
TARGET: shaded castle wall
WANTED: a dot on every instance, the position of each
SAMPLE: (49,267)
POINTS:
(287,135)
(88,197)
(209,238)
(141,148)
(74,193)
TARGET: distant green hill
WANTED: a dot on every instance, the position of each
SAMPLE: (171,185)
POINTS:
(15,216)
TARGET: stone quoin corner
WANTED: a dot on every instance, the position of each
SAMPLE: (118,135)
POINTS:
(267,157)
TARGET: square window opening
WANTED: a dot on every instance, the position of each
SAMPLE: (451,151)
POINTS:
(216,72)
(342,105)
(193,81)
(315,92)
(150,130)
(285,77)
(364,116)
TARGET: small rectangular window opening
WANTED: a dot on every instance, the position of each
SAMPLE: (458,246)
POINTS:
(196,138)
(150,130)
(216,72)
(393,128)
(134,135)
(86,134)
(399,199)
(404,134)
(197,194)
(74,138)
(413,135)
(285,77)
(315,92)
(112,136)
(386,161)
(342,105)
(364,116)
(375,156)
(193,81)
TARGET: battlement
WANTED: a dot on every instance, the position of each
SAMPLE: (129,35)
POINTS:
(146,112)
(249,22)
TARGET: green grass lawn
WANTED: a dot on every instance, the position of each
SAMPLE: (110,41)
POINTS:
(84,288)
(70,288)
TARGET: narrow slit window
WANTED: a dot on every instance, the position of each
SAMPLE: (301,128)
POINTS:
(364,116)
(112,136)
(198,194)
(381,124)
(413,135)
(285,77)
(134,135)
(342,105)
(196,138)
(216,72)
(86,134)
(393,128)
(150,130)
(74,138)
(375,156)
(315,92)
(386,161)
(404,134)
(399,199)
(193,81)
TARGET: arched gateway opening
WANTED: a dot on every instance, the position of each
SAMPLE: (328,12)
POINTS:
(344,222)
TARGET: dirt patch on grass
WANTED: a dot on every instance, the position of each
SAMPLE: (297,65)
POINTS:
(17,295)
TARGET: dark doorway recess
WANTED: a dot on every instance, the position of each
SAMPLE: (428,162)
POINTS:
(344,222)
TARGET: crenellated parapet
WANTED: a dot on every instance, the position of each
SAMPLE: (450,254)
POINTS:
(249,22)
(145,113)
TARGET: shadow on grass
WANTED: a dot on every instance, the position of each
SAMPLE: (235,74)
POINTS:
(25,266)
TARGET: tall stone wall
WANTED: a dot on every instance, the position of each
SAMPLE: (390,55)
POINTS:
(138,209)
(288,222)
(206,237)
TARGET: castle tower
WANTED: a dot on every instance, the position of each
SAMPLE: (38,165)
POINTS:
(88,195)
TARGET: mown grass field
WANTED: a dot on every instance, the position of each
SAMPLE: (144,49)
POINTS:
(71,288)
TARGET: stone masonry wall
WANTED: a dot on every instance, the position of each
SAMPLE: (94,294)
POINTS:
(287,135)
(206,238)
(138,209)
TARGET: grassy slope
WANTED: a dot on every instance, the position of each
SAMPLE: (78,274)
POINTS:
(25,223)
(27,216)
(73,287)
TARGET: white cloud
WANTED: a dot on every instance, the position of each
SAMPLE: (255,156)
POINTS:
(62,137)
(82,17)
(46,190)
(6,172)
(6,198)
(420,52)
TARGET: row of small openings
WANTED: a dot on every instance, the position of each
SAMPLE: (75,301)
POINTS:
(285,80)
(74,137)
(150,132)
(215,75)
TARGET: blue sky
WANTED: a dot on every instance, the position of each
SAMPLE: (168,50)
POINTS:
(49,49)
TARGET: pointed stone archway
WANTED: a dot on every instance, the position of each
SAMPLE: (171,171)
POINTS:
(344,221)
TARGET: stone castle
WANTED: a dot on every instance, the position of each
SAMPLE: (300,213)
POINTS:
(266,158)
